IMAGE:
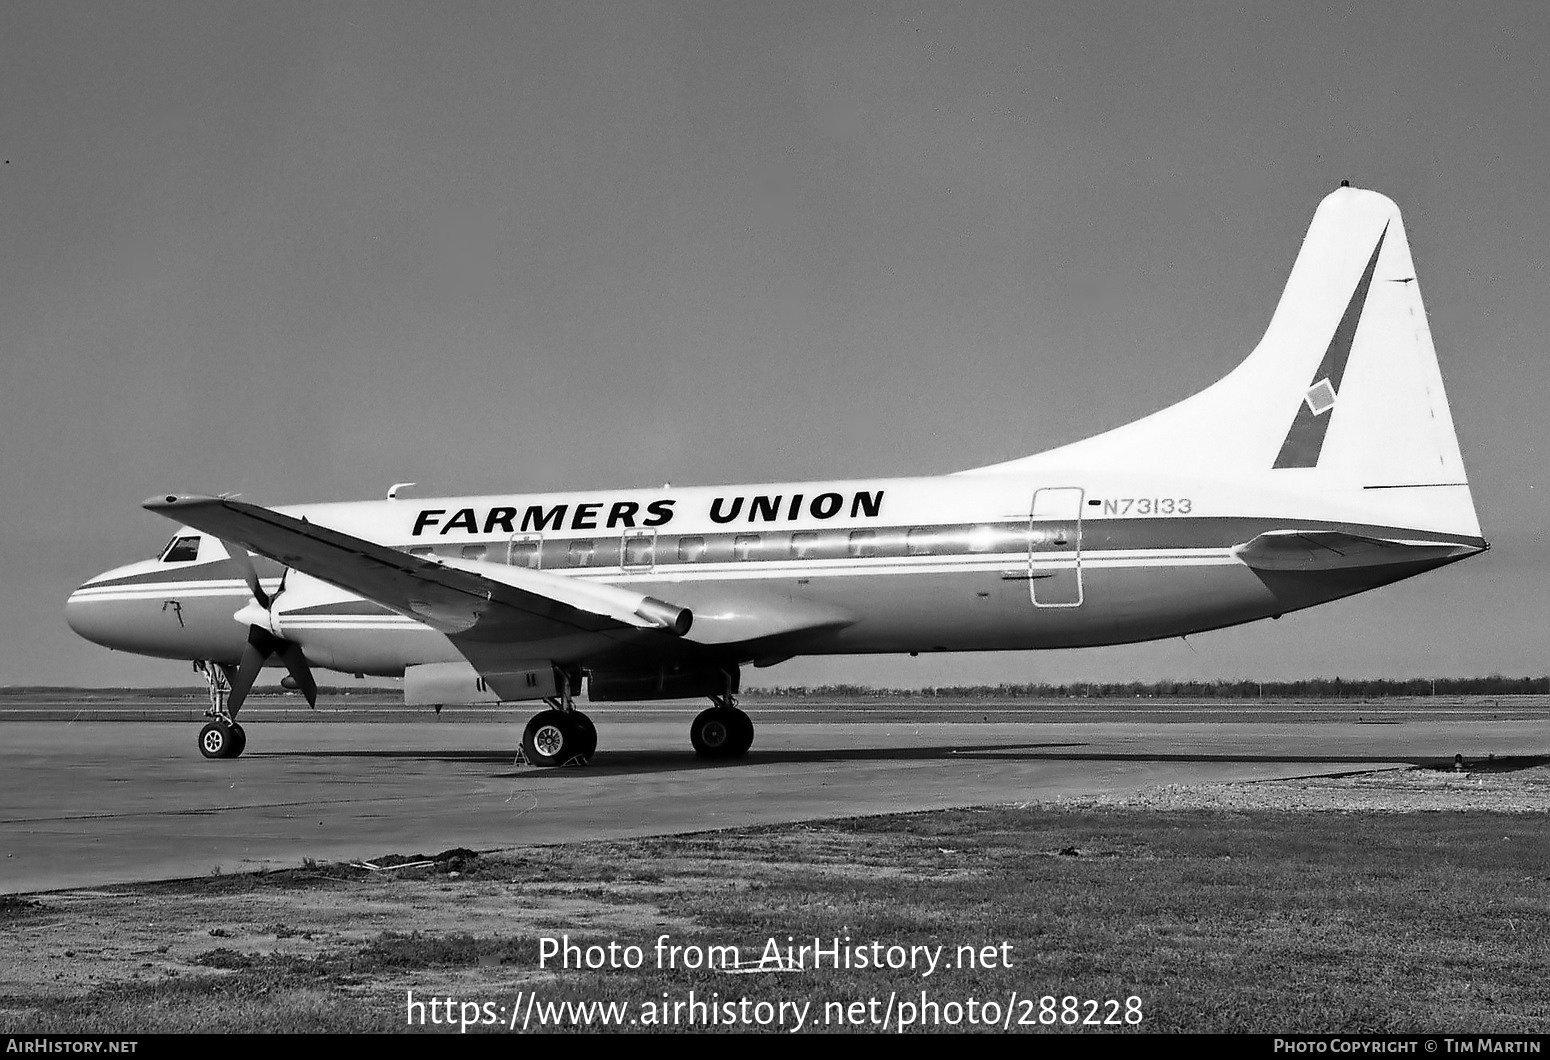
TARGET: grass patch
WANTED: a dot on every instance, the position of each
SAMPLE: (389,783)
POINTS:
(16,907)
(1218,921)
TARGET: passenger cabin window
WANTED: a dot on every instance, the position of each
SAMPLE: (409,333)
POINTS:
(639,551)
(423,550)
(581,553)
(921,542)
(181,550)
(691,549)
(803,544)
(475,551)
(745,546)
(523,554)
(863,543)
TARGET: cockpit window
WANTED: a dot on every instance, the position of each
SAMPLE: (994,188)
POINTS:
(181,550)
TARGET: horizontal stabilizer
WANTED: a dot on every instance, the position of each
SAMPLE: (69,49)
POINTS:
(1320,550)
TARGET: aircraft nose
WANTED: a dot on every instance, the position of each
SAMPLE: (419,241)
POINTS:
(88,617)
(104,610)
(148,610)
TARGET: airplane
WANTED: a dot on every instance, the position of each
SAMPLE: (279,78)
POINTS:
(1324,465)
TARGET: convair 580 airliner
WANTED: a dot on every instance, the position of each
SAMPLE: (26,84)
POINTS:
(1324,465)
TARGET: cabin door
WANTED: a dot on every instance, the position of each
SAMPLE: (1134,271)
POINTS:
(1055,547)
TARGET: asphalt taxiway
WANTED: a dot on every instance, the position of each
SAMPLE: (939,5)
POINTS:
(90,802)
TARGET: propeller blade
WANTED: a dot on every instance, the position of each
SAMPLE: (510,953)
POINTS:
(296,662)
(255,653)
(244,562)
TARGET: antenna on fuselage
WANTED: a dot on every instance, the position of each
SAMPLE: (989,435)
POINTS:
(395,487)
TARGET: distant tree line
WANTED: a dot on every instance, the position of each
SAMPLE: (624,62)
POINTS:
(1311,688)
(198,691)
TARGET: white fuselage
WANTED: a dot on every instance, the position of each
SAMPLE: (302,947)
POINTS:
(953,563)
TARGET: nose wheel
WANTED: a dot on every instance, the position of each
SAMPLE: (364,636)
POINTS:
(222,739)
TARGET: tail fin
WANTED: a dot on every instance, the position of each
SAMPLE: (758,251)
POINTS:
(1342,393)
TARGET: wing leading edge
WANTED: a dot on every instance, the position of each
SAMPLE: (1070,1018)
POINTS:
(475,604)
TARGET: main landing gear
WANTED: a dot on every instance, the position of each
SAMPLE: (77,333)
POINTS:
(723,731)
(564,736)
(559,736)
(221,737)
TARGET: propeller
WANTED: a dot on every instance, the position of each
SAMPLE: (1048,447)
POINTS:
(264,639)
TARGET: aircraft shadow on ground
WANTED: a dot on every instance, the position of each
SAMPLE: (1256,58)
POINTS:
(617,762)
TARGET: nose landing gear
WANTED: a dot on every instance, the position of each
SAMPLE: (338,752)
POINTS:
(221,737)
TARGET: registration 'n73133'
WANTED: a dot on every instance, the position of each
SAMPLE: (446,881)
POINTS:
(1148,506)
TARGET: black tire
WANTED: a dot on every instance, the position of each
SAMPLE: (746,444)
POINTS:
(216,741)
(588,732)
(720,732)
(743,732)
(239,741)
(552,738)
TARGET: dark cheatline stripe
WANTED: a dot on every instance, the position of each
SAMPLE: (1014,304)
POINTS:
(211,570)
(1305,441)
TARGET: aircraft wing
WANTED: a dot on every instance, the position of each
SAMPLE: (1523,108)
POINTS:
(478,605)
(1320,550)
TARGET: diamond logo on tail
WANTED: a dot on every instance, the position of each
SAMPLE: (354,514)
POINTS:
(1320,397)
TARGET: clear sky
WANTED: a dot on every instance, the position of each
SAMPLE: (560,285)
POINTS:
(303,251)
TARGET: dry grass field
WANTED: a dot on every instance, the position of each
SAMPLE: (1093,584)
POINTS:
(1396,901)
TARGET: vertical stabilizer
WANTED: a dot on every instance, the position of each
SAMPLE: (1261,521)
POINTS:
(1342,395)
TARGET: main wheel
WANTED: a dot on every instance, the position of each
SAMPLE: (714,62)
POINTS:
(588,746)
(239,741)
(721,732)
(216,740)
(743,731)
(552,738)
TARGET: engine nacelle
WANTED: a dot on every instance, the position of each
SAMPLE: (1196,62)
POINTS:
(433,684)
(661,682)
